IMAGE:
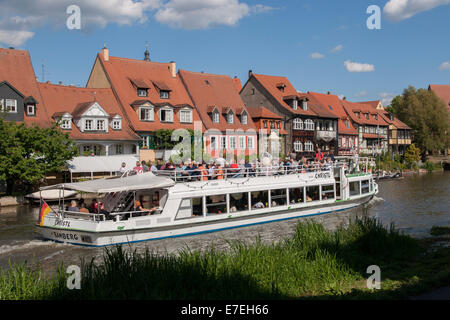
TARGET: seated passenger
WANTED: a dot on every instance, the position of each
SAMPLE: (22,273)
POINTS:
(73,207)
(259,205)
(138,208)
(83,208)
(103,211)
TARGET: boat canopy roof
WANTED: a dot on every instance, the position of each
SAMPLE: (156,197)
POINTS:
(136,182)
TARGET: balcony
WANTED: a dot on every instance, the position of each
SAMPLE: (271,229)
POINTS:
(326,136)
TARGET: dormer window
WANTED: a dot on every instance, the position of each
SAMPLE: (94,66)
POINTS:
(116,123)
(100,125)
(66,124)
(166,115)
(281,86)
(164,94)
(8,105)
(358,114)
(230,117)
(216,116)
(186,116)
(244,118)
(88,125)
(347,124)
(367,116)
(141,92)
(305,105)
(295,104)
(146,114)
(31,110)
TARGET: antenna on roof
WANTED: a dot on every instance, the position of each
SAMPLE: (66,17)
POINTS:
(146,53)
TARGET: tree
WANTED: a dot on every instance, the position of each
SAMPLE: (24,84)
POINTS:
(27,154)
(412,155)
(426,114)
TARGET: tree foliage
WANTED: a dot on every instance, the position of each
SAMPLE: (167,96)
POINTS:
(426,114)
(27,153)
(412,155)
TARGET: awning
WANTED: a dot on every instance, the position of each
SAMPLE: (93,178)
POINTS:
(143,181)
(101,163)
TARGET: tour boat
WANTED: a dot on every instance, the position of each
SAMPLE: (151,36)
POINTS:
(184,206)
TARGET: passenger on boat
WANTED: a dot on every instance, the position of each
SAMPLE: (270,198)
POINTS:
(83,208)
(139,208)
(204,172)
(94,206)
(138,169)
(123,168)
(219,173)
(152,167)
(319,155)
(103,211)
(73,206)
(259,205)
(144,166)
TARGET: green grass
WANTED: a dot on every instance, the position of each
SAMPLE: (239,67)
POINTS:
(312,264)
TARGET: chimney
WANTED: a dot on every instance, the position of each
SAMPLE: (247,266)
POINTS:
(105,53)
(345,98)
(328,92)
(173,69)
(250,73)
(60,82)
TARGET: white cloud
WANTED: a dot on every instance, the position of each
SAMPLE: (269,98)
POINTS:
(317,55)
(358,67)
(20,18)
(386,98)
(337,48)
(397,10)
(444,66)
(201,14)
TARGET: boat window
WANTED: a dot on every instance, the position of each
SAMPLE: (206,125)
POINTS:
(312,193)
(238,202)
(278,197)
(296,195)
(328,192)
(216,204)
(354,188)
(338,190)
(260,199)
(365,186)
(190,208)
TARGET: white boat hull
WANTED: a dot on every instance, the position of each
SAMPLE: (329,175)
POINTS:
(61,232)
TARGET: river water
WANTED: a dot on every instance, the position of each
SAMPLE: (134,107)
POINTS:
(414,204)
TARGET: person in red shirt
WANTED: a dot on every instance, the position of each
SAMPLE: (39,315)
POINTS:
(319,155)
(138,168)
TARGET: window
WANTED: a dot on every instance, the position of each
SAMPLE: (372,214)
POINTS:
(119,149)
(166,115)
(223,143)
(146,114)
(328,192)
(250,143)
(216,116)
(278,197)
(309,146)
(216,204)
(230,117)
(298,146)
(305,105)
(66,124)
(309,125)
(312,194)
(190,208)
(295,104)
(272,124)
(244,118)
(366,115)
(260,199)
(265,124)
(142,92)
(233,143)
(365,186)
(358,115)
(117,124)
(253,91)
(2,104)
(238,202)
(242,143)
(298,124)
(186,116)
(296,196)
(354,188)
(31,109)
(164,94)
(278,125)
(11,105)
(213,143)
(347,124)
(88,125)
(100,125)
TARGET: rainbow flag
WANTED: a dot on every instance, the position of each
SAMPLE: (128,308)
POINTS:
(45,209)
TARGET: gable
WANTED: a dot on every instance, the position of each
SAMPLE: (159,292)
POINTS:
(95,110)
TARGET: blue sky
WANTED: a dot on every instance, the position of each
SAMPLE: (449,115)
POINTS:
(292,38)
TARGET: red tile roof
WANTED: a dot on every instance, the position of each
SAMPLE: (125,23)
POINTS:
(320,109)
(238,84)
(158,77)
(272,85)
(326,100)
(212,90)
(443,92)
(74,100)
(16,69)
(263,113)
(352,107)
(386,115)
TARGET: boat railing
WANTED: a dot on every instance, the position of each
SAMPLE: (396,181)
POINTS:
(96,217)
(203,174)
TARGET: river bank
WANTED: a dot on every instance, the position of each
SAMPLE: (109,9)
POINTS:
(311,264)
